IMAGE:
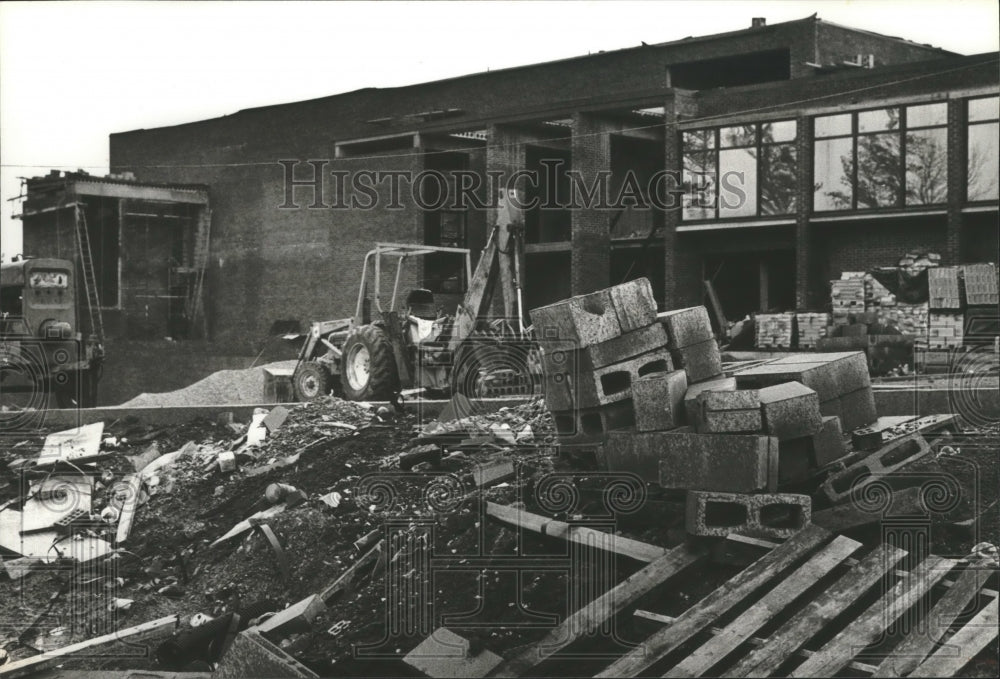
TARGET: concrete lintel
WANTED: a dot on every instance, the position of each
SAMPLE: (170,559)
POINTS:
(139,192)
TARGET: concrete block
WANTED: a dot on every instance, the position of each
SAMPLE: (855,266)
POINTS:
(606,314)
(779,515)
(830,375)
(857,409)
(251,655)
(901,452)
(719,462)
(591,425)
(691,407)
(446,654)
(700,361)
(591,388)
(729,412)
(560,357)
(790,410)
(658,400)
(799,458)
(686,326)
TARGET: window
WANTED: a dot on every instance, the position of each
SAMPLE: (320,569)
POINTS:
(983,148)
(740,171)
(882,158)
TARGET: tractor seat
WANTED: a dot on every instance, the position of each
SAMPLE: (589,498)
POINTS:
(421,303)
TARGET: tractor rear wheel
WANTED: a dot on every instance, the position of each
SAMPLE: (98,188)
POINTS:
(368,366)
(310,381)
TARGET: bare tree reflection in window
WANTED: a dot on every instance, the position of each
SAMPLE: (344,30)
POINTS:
(926,167)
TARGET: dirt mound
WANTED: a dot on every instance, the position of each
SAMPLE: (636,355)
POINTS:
(225,386)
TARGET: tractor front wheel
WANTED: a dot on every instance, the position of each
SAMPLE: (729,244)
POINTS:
(368,366)
(311,381)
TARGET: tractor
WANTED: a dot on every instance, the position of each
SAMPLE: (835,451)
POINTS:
(408,344)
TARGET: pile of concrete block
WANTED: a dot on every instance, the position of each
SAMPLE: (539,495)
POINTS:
(847,296)
(595,349)
(812,327)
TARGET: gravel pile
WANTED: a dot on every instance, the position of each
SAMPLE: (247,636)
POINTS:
(222,387)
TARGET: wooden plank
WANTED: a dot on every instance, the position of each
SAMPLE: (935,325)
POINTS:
(969,641)
(46,660)
(640,551)
(346,579)
(863,631)
(756,642)
(912,650)
(133,490)
(772,603)
(704,613)
(789,638)
(592,616)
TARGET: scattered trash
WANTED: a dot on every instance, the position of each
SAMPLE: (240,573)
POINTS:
(331,500)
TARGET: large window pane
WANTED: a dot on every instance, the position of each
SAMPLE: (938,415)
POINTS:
(878,120)
(926,166)
(833,126)
(984,109)
(738,183)
(699,140)
(782,130)
(926,115)
(741,135)
(878,171)
(778,174)
(832,170)
(984,152)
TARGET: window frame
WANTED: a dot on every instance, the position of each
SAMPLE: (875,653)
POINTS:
(757,146)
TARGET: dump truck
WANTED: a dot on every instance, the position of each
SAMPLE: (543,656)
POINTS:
(404,342)
(43,351)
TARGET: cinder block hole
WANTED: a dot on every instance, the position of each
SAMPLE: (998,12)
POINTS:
(725,514)
(657,366)
(843,483)
(591,423)
(781,516)
(565,424)
(616,382)
(594,305)
(900,452)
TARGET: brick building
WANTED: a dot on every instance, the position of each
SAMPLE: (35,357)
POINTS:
(803,149)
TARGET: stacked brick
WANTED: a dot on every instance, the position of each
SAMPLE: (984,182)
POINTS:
(847,297)
(812,327)
(943,288)
(981,287)
(945,331)
(910,319)
(774,330)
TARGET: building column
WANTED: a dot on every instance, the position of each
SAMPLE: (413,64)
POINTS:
(590,254)
(672,163)
(957,180)
(505,156)
(803,209)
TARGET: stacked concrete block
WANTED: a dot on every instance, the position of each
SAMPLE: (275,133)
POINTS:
(799,458)
(778,515)
(692,344)
(846,297)
(737,463)
(790,410)
(774,331)
(728,412)
(594,347)
(658,400)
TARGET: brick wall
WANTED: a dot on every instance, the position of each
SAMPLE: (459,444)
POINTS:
(862,245)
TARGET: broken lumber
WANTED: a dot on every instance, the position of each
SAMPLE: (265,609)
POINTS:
(44,661)
(248,523)
(970,640)
(347,578)
(133,486)
(590,618)
(640,551)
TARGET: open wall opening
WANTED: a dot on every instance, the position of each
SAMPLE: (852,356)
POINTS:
(752,281)
(549,221)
